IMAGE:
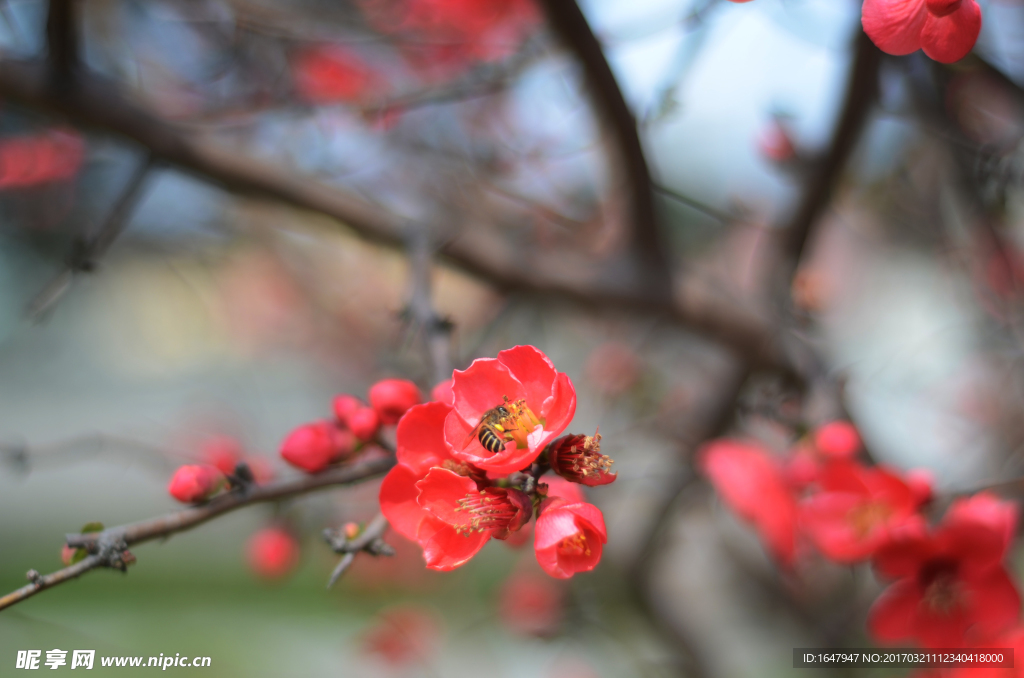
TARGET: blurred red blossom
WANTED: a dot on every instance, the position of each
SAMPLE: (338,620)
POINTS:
(945,29)
(541,402)
(272,553)
(752,483)
(25,161)
(950,580)
(327,74)
(442,392)
(531,604)
(855,510)
(391,398)
(195,482)
(364,423)
(837,440)
(403,635)
(613,368)
(345,405)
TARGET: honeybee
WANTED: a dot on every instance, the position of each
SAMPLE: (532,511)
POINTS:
(494,423)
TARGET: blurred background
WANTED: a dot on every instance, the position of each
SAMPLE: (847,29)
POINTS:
(218,214)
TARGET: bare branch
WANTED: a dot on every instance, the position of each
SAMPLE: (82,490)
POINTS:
(371,540)
(62,39)
(110,543)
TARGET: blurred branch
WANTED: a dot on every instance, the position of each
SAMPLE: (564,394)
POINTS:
(861,93)
(371,540)
(693,203)
(86,252)
(62,39)
(648,245)
(437,331)
(107,548)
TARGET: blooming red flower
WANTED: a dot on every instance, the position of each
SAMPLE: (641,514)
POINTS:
(456,500)
(442,392)
(195,483)
(569,537)
(313,447)
(856,509)
(391,398)
(326,74)
(364,423)
(754,485)
(272,552)
(540,400)
(531,604)
(578,458)
(950,580)
(421,448)
(945,29)
(837,440)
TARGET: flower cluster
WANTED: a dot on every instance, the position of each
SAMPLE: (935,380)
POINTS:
(471,465)
(949,584)
(945,29)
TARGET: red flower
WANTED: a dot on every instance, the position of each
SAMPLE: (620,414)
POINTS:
(442,392)
(345,406)
(856,510)
(272,552)
(752,483)
(195,483)
(949,580)
(540,402)
(222,452)
(391,398)
(313,447)
(578,458)
(40,159)
(837,440)
(945,29)
(421,447)
(531,604)
(364,423)
(569,537)
(402,636)
(328,74)
(456,500)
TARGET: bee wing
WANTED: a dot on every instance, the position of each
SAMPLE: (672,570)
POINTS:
(472,436)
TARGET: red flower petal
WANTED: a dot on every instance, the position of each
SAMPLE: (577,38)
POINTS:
(444,548)
(994,602)
(894,25)
(533,370)
(392,398)
(950,38)
(893,615)
(398,503)
(420,437)
(482,386)
(440,492)
(560,487)
(986,509)
(909,547)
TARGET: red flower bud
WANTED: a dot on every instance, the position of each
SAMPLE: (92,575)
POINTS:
(392,398)
(364,423)
(443,393)
(312,447)
(67,553)
(222,452)
(837,439)
(272,553)
(345,406)
(578,458)
(195,483)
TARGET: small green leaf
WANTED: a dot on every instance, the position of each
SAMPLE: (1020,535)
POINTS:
(79,554)
(92,527)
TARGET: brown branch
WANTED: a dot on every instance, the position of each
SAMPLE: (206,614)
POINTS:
(106,546)
(861,93)
(570,24)
(62,39)
(371,540)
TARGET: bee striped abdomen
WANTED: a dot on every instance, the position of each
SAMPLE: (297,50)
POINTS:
(491,441)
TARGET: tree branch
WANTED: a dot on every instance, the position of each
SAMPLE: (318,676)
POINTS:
(371,541)
(62,40)
(572,27)
(110,543)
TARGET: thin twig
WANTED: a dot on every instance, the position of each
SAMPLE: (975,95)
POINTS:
(437,331)
(370,540)
(85,254)
(186,519)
